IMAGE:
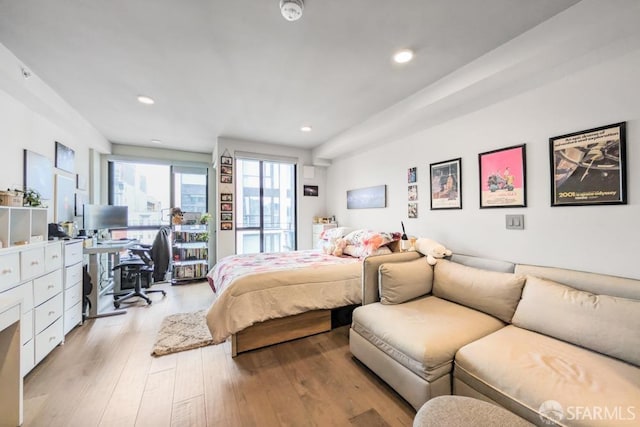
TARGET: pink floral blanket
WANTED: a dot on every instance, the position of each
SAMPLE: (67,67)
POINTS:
(231,267)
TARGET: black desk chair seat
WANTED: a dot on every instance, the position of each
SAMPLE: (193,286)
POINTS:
(134,267)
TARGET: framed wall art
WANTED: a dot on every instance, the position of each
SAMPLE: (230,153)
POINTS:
(589,167)
(226,197)
(503,178)
(412,175)
(446,184)
(310,190)
(65,158)
(65,198)
(226,225)
(412,210)
(38,174)
(370,197)
(226,216)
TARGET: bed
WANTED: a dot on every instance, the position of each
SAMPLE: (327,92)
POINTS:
(267,298)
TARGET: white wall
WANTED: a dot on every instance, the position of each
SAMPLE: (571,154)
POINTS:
(307,207)
(33,117)
(602,239)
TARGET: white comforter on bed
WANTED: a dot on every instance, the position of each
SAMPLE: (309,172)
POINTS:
(257,287)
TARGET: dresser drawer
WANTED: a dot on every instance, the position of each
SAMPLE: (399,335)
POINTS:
(26,327)
(73,253)
(52,256)
(23,292)
(26,358)
(47,313)
(9,270)
(46,286)
(72,275)
(31,263)
(47,340)
(72,317)
(72,295)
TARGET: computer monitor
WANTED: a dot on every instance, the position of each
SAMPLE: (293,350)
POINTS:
(101,217)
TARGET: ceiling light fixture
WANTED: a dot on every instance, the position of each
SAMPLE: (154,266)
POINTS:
(403,56)
(291,9)
(156,141)
(305,128)
(145,100)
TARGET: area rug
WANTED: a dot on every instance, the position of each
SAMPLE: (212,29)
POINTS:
(180,332)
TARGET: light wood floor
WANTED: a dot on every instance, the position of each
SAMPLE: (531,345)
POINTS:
(104,376)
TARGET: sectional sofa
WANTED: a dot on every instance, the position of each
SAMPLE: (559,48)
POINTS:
(551,345)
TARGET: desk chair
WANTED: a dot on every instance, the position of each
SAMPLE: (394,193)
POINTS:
(134,267)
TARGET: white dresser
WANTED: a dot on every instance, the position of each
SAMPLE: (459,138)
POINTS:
(73,288)
(317,230)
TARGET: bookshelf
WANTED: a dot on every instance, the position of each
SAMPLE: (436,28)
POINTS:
(190,251)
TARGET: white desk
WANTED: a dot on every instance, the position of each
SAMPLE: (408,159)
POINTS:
(112,249)
(10,376)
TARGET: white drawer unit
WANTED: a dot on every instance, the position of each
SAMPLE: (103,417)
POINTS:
(72,285)
(9,270)
(73,252)
(46,287)
(31,263)
(72,275)
(52,256)
(73,296)
(47,340)
(47,313)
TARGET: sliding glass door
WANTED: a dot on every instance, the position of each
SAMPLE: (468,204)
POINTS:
(266,206)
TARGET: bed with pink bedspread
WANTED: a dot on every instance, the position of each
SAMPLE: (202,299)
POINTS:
(257,287)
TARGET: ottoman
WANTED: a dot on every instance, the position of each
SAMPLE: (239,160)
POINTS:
(459,411)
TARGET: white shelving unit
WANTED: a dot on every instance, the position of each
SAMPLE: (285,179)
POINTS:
(22,225)
(190,249)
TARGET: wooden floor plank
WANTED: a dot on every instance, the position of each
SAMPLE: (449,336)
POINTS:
(104,375)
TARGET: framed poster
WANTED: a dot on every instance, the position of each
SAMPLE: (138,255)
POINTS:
(226,225)
(226,216)
(446,184)
(226,197)
(65,158)
(370,197)
(226,160)
(65,198)
(412,193)
(226,207)
(38,174)
(412,210)
(412,175)
(503,178)
(310,190)
(589,167)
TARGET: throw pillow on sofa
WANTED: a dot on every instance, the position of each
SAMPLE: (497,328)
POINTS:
(403,281)
(491,292)
(603,323)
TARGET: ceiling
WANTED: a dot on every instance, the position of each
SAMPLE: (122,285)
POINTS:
(238,69)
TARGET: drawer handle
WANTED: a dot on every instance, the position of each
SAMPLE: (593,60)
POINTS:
(52,312)
(52,338)
(34,262)
(54,256)
(50,287)
(7,271)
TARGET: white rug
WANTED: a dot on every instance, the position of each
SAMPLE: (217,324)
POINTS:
(180,332)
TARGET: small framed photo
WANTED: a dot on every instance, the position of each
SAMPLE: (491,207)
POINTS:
(413,193)
(446,184)
(412,175)
(226,216)
(226,207)
(503,178)
(226,170)
(226,197)
(224,160)
(226,225)
(413,210)
(65,158)
(226,179)
(310,190)
(589,167)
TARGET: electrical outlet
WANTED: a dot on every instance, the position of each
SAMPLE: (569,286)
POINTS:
(515,222)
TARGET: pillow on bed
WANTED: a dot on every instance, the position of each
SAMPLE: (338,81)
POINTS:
(335,233)
(362,251)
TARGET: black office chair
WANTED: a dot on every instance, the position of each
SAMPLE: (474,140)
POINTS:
(149,262)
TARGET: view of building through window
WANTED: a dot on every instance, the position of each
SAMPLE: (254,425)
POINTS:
(265,207)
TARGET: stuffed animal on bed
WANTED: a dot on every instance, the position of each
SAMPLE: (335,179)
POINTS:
(338,249)
(432,250)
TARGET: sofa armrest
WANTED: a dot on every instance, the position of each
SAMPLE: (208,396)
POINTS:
(370,267)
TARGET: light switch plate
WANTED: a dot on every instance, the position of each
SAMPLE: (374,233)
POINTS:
(515,222)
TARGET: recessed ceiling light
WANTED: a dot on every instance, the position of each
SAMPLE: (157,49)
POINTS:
(145,100)
(403,56)
(156,141)
(305,128)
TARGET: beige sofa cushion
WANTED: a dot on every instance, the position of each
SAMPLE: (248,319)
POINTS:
(520,370)
(423,334)
(404,281)
(491,292)
(603,323)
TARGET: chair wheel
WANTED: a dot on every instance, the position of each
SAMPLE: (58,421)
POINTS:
(116,304)
(164,294)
